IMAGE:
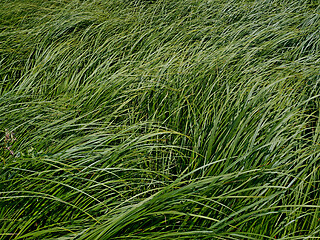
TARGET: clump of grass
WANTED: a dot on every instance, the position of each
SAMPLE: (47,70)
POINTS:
(159,119)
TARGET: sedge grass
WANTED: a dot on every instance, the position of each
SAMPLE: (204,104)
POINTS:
(159,119)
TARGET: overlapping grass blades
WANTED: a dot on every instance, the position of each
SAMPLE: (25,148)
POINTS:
(159,119)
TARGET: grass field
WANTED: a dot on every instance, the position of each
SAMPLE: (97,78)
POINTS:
(136,119)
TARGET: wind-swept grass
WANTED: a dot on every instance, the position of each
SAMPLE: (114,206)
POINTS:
(159,119)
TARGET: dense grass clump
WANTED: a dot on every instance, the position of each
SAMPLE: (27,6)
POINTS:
(161,119)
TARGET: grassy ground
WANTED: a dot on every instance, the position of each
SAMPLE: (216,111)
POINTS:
(187,119)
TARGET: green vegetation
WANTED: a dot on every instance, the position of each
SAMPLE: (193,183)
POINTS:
(186,119)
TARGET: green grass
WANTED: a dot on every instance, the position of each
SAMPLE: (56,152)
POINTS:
(162,119)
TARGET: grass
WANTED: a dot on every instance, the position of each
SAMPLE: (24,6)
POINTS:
(159,119)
